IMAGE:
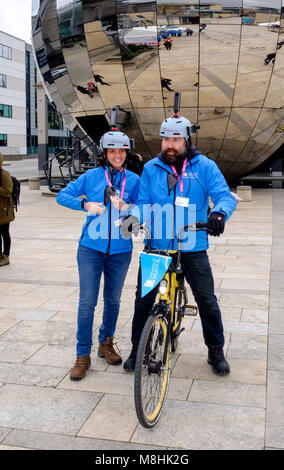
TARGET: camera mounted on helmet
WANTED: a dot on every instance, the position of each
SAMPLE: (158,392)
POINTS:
(176,125)
(114,139)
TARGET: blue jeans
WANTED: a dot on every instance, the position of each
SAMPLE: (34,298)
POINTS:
(199,276)
(91,265)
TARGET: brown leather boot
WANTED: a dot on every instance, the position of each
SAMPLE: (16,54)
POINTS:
(106,350)
(4,260)
(79,369)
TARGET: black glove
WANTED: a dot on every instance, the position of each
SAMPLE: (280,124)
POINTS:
(216,223)
(129,226)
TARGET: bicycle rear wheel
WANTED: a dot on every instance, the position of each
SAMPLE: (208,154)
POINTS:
(152,370)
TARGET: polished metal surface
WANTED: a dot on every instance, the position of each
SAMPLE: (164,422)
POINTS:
(95,54)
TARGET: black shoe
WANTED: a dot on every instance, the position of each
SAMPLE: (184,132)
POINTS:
(129,364)
(217,360)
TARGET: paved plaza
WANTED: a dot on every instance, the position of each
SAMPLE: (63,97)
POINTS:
(40,408)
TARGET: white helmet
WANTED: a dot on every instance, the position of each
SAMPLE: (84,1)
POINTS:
(176,126)
(114,140)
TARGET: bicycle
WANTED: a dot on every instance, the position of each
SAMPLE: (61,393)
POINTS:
(160,337)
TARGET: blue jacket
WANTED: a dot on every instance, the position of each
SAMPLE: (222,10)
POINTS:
(101,232)
(156,203)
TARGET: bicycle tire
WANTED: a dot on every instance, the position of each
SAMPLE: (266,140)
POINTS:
(152,370)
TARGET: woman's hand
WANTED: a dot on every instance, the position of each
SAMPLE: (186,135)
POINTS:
(94,207)
(118,203)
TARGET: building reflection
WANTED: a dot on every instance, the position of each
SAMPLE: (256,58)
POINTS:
(94,54)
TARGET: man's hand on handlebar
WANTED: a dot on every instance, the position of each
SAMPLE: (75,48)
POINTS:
(216,224)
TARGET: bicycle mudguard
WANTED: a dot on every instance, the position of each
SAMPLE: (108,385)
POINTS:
(153,268)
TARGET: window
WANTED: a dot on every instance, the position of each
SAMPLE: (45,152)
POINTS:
(5,110)
(5,52)
(3,140)
(3,80)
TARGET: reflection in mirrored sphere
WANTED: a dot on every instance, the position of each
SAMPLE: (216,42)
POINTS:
(226,59)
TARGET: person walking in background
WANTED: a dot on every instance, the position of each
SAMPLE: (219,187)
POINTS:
(270,57)
(7,214)
(109,189)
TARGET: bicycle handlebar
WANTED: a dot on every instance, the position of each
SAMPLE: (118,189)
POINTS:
(198,226)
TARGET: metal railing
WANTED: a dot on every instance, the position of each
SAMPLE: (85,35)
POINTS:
(67,165)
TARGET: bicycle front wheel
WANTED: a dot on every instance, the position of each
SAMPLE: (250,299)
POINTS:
(152,370)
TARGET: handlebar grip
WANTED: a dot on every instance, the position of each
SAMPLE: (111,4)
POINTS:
(201,224)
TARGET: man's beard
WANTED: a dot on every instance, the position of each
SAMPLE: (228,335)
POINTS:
(173,158)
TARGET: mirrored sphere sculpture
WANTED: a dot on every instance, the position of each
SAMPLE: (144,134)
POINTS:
(225,57)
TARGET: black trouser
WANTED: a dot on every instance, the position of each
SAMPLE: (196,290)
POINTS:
(5,235)
(199,276)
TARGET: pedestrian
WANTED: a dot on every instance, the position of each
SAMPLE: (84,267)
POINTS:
(166,82)
(189,32)
(168,43)
(7,214)
(98,78)
(108,190)
(270,57)
(177,177)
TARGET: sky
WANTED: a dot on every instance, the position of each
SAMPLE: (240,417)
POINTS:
(15,18)
(15,15)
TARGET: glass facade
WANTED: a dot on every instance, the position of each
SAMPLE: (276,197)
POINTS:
(226,59)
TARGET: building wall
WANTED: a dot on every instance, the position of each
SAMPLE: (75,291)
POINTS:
(14,94)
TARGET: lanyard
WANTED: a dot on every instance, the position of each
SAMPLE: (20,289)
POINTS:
(123,183)
(177,176)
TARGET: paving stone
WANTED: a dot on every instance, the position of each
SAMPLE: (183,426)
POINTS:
(276,321)
(31,375)
(242,370)
(254,300)
(12,351)
(45,409)
(275,410)
(228,393)
(241,427)
(51,441)
(238,327)
(42,332)
(39,315)
(245,284)
(102,382)
(253,315)
(3,433)
(7,325)
(113,418)
(276,352)
(247,346)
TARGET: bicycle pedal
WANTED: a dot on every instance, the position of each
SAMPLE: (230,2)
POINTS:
(190,310)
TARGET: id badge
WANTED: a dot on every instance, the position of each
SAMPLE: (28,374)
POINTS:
(181,201)
(117,222)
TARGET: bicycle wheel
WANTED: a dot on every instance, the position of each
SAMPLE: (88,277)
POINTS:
(152,370)
(180,301)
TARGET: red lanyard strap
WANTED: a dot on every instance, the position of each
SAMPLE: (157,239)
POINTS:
(123,183)
(177,176)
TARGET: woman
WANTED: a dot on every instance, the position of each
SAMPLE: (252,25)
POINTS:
(109,191)
(7,214)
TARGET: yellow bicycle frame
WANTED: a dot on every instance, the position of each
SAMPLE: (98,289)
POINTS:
(169,296)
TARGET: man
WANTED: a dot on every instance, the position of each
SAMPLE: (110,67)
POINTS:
(181,180)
